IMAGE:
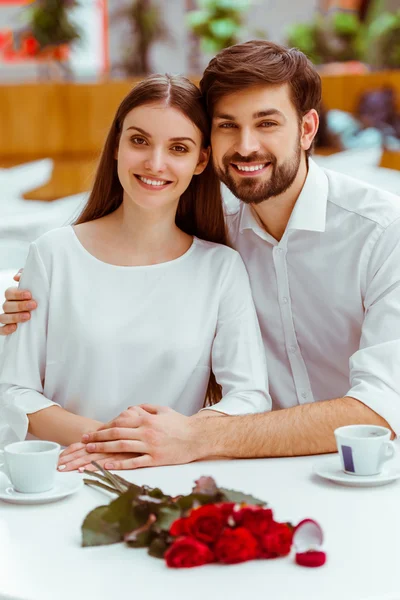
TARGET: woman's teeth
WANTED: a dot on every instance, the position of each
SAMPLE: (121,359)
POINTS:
(155,182)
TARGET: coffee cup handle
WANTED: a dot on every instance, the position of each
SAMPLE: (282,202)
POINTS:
(388,451)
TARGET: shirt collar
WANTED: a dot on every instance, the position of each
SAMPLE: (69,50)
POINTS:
(309,212)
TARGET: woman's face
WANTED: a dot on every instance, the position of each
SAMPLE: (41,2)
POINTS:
(159,152)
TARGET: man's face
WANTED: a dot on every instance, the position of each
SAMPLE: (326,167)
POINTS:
(256,142)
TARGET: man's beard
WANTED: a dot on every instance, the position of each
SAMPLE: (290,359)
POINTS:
(253,190)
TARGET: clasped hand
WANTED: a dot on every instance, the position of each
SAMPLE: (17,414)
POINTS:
(141,436)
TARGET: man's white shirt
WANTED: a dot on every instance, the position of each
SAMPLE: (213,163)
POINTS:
(327,294)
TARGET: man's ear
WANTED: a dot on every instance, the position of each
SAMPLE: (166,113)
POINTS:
(204,157)
(309,128)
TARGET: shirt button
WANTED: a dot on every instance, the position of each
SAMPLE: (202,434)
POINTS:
(279,250)
(292,349)
(284,300)
(304,394)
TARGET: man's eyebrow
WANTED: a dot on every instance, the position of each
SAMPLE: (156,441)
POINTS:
(258,115)
(173,139)
(268,113)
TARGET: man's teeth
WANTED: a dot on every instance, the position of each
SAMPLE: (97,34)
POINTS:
(152,181)
(252,168)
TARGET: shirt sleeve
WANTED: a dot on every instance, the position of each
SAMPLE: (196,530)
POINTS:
(375,367)
(23,361)
(238,356)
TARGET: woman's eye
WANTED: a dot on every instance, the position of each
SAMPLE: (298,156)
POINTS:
(138,141)
(180,149)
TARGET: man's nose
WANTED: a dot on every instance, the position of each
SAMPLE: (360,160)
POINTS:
(155,161)
(247,143)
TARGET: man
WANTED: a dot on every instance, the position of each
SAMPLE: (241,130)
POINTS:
(323,256)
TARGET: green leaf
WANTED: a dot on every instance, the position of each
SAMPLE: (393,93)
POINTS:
(224,28)
(239,498)
(158,547)
(185,503)
(98,531)
(197,18)
(166,516)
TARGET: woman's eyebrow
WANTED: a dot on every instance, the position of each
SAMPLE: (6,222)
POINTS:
(173,139)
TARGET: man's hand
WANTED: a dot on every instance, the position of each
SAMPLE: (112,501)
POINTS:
(16,308)
(76,457)
(159,435)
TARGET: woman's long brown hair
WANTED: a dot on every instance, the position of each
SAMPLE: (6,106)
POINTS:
(199,210)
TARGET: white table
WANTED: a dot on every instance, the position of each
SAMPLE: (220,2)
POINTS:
(41,557)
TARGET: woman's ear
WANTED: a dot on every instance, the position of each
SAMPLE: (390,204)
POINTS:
(204,157)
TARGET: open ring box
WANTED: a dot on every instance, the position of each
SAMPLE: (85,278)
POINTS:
(307,540)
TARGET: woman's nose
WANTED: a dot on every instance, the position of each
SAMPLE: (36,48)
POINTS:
(155,161)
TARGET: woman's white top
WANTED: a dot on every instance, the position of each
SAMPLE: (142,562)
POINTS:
(106,337)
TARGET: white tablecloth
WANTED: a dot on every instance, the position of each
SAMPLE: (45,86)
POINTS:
(41,557)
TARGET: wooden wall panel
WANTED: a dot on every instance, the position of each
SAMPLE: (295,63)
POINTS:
(69,121)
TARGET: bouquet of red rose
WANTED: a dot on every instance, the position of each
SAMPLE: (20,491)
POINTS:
(210,525)
(227,533)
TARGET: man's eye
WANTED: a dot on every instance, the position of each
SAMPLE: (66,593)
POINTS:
(138,141)
(180,149)
(267,124)
(227,125)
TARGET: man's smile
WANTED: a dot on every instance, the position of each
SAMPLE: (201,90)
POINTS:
(250,169)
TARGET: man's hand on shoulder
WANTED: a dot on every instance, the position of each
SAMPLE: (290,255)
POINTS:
(17,308)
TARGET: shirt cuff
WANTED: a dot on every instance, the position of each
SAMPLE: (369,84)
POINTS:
(14,425)
(383,402)
(17,404)
(236,405)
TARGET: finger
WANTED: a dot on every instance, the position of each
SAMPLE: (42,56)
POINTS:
(102,461)
(17,276)
(7,329)
(65,460)
(150,408)
(15,293)
(115,433)
(84,460)
(130,463)
(17,306)
(12,318)
(120,446)
(72,448)
(120,422)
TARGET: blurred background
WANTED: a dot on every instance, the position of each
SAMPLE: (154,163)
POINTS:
(66,64)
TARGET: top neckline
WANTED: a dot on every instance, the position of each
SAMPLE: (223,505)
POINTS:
(132,267)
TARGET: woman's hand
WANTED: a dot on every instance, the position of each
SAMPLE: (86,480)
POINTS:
(76,457)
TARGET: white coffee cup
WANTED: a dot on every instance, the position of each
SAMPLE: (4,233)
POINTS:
(31,466)
(364,449)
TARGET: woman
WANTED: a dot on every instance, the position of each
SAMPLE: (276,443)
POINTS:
(150,245)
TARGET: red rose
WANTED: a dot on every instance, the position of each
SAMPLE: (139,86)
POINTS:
(206,523)
(187,552)
(226,509)
(235,546)
(257,520)
(277,541)
(179,528)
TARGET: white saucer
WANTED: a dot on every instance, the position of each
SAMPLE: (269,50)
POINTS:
(331,469)
(65,485)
